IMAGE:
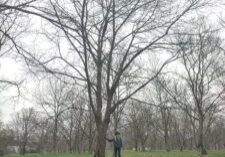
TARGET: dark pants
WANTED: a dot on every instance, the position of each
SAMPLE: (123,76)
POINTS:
(117,152)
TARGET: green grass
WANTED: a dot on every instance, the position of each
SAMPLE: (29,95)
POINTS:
(136,154)
(51,155)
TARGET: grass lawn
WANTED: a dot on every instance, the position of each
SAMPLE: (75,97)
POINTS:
(136,154)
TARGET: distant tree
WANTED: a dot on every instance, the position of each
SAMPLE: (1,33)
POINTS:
(201,59)
(53,100)
(140,122)
(24,124)
(73,126)
(164,106)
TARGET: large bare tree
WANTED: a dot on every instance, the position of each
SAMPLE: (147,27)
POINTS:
(105,40)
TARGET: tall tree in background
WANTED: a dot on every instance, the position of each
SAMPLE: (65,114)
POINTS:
(200,92)
(162,101)
(53,100)
(24,124)
(200,59)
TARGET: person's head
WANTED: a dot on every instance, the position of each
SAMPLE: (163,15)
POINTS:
(117,133)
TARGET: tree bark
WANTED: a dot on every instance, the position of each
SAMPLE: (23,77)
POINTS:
(166,141)
(55,132)
(100,140)
(24,143)
(23,150)
(201,137)
(143,147)
(70,146)
(136,145)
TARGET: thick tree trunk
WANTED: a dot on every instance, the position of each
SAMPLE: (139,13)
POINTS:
(23,150)
(90,142)
(91,132)
(201,138)
(55,136)
(100,140)
(24,143)
(70,146)
(136,145)
(165,123)
(166,136)
(167,144)
(183,145)
(181,148)
(143,147)
(54,145)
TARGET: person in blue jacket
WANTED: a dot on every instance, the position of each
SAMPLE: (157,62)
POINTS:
(118,144)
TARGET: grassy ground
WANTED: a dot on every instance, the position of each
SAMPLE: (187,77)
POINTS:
(137,154)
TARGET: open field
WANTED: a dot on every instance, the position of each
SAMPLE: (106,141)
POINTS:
(137,154)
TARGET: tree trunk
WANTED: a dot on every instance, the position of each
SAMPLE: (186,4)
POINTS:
(23,150)
(100,140)
(90,142)
(166,139)
(55,132)
(136,145)
(91,133)
(24,143)
(70,145)
(143,146)
(201,138)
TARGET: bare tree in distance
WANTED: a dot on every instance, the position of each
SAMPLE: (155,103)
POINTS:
(201,59)
(163,103)
(53,100)
(24,124)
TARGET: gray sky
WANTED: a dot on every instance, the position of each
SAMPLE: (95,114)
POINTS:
(12,70)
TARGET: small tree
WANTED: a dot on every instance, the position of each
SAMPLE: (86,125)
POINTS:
(53,101)
(24,124)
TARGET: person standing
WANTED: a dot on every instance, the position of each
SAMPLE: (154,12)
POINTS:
(118,144)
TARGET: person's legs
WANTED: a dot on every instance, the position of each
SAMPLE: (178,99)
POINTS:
(119,152)
(115,152)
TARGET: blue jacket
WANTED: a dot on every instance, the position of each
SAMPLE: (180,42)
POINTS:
(117,142)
